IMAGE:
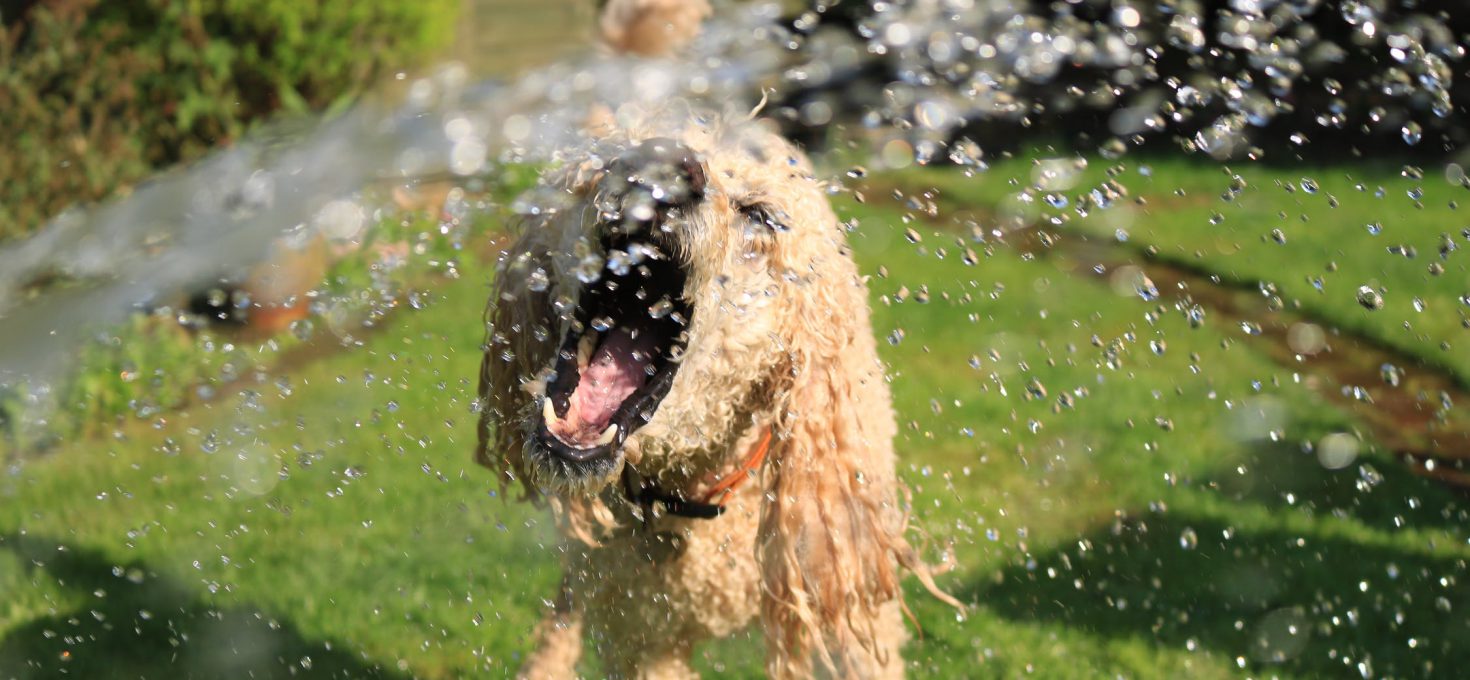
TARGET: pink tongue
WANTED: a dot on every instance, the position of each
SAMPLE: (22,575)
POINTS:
(611,376)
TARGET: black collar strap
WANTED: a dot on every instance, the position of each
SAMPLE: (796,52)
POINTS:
(644,494)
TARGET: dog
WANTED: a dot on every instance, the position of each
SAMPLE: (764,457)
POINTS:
(680,358)
(651,28)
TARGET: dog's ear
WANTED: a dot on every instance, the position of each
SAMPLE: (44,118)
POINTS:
(832,540)
(519,339)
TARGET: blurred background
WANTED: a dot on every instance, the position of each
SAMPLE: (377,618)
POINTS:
(1173,296)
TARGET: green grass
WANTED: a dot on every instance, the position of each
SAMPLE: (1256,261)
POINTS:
(1190,216)
(1102,473)
(1160,524)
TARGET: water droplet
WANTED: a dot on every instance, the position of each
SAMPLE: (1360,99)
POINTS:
(1196,316)
(1370,299)
(537,280)
(1411,133)
(1188,539)
(589,269)
(661,308)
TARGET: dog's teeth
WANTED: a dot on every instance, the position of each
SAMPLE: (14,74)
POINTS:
(547,412)
(585,348)
(608,435)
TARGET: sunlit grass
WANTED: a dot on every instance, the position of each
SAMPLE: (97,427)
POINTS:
(1101,494)
(1153,526)
(1316,235)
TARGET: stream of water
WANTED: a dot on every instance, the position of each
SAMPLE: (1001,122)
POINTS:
(916,72)
(194,225)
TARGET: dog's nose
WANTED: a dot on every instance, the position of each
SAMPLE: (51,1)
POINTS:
(668,170)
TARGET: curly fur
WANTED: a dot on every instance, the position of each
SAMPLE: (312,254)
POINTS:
(780,341)
(651,28)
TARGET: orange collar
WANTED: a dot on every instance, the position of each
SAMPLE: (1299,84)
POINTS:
(724,488)
(644,493)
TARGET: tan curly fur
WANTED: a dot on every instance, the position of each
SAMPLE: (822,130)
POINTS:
(780,341)
(651,28)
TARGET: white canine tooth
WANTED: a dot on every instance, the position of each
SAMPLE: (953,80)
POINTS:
(585,347)
(608,435)
(547,412)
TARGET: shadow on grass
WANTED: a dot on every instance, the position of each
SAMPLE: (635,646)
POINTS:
(140,625)
(1377,491)
(1315,600)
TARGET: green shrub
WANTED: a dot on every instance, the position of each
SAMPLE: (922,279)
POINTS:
(97,94)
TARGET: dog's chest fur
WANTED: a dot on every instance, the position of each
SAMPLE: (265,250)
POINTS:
(701,572)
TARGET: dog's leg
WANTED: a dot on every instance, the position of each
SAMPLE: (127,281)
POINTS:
(558,641)
(883,662)
(892,634)
(638,637)
(889,635)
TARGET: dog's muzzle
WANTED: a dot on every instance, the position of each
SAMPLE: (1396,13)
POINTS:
(668,171)
(619,358)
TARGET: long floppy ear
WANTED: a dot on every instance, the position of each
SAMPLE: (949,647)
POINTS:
(519,339)
(833,543)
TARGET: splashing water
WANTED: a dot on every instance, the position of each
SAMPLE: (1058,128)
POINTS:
(1170,377)
(948,64)
(191,227)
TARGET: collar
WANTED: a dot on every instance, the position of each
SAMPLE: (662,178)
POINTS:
(644,493)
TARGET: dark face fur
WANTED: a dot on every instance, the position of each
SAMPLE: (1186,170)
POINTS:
(631,323)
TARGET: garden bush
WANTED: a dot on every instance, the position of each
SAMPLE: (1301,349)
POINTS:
(97,94)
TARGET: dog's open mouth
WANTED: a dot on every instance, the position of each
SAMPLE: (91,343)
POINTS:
(619,358)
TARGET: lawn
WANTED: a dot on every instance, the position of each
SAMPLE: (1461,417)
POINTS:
(1126,494)
(1313,236)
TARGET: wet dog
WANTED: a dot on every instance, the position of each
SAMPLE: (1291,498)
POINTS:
(680,357)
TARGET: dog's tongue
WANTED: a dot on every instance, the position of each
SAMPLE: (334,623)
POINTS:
(617,369)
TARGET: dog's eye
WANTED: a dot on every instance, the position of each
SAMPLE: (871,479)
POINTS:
(766,216)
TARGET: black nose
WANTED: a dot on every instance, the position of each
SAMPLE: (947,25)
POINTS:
(671,172)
